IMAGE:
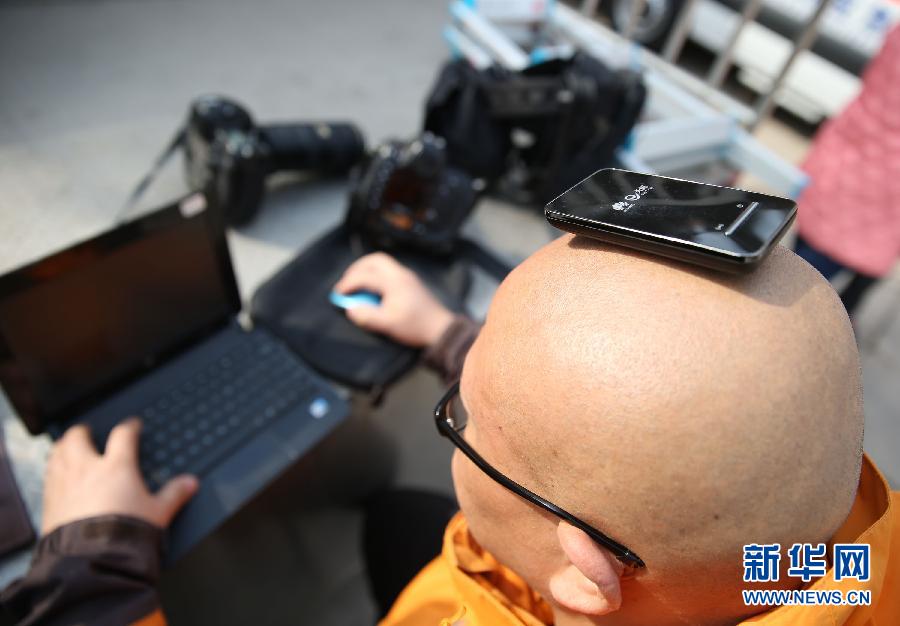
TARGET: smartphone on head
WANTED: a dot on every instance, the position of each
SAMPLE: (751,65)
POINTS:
(716,227)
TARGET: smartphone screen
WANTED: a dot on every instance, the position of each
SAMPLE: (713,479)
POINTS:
(721,220)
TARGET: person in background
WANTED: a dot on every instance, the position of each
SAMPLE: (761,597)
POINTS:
(625,426)
(849,216)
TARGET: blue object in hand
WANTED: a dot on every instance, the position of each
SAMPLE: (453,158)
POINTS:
(355,299)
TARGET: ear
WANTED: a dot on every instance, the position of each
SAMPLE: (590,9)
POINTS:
(590,582)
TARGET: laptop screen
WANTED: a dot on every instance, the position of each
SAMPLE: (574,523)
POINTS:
(78,324)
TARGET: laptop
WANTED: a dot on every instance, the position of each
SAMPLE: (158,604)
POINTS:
(143,320)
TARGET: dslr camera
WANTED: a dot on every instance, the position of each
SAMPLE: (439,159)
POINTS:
(229,155)
(406,196)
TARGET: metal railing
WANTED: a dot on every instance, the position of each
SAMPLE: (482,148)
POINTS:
(719,71)
(687,125)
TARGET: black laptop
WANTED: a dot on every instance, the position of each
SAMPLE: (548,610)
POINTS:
(142,320)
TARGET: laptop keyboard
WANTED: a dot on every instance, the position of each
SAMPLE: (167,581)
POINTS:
(194,425)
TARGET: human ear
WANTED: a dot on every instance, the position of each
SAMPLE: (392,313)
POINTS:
(589,583)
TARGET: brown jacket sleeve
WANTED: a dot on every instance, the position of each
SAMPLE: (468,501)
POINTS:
(101,570)
(448,354)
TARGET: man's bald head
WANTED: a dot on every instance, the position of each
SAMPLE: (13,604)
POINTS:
(683,412)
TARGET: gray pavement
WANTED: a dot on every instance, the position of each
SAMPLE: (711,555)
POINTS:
(90,91)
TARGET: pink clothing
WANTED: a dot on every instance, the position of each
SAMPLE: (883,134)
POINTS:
(851,208)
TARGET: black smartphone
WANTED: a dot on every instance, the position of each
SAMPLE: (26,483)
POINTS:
(717,227)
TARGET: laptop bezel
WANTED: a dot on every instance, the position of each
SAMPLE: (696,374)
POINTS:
(70,259)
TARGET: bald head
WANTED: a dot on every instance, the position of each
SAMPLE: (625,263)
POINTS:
(684,412)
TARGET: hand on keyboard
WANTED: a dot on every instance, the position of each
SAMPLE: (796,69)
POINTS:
(82,483)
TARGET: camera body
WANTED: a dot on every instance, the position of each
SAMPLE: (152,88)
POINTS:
(405,195)
(229,155)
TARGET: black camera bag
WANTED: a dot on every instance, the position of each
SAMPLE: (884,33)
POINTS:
(294,305)
(577,111)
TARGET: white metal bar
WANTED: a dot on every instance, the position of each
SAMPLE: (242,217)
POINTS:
(633,162)
(723,61)
(634,16)
(491,38)
(583,33)
(676,163)
(458,41)
(589,7)
(747,154)
(680,31)
(600,41)
(766,103)
(667,99)
(664,138)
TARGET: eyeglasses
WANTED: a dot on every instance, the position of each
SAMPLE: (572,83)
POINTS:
(451,418)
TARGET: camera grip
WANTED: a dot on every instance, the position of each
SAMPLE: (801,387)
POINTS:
(324,147)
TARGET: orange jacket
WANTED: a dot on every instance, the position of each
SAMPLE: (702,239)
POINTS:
(466,585)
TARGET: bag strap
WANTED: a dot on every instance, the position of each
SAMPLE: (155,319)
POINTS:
(176,142)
